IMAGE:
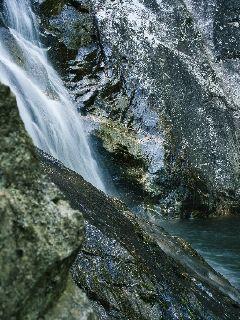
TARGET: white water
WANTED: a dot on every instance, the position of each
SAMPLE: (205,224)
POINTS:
(44,104)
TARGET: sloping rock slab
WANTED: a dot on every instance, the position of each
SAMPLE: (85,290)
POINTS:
(133,269)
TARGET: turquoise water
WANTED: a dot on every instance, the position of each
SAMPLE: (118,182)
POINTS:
(217,240)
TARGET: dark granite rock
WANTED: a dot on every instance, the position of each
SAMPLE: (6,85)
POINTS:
(149,74)
(177,86)
(227,29)
(133,269)
(66,26)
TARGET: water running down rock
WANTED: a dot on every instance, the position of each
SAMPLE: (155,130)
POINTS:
(45,106)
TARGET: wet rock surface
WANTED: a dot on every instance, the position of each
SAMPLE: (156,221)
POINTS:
(67,26)
(132,269)
(129,268)
(153,70)
(226,29)
(40,234)
(142,72)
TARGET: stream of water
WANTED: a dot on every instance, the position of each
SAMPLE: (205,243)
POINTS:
(44,104)
(217,240)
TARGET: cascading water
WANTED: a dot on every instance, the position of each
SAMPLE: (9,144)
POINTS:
(44,104)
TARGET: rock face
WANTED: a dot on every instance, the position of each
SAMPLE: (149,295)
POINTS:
(40,234)
(129,268)
(162,78)
(132,269)
(226,29)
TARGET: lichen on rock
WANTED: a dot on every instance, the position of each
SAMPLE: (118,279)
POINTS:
(40,234)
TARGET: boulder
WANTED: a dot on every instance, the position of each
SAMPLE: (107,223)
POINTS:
(40,234)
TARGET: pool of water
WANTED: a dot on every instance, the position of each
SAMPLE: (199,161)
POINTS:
(217,240)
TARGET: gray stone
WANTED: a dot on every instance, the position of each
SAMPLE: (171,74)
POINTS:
(133,269)
(150,71)
(166,61)
(227,29)
(40,234)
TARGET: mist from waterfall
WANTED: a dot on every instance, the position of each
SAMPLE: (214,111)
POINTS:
(45,106)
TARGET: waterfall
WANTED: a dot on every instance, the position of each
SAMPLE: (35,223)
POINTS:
(45,106)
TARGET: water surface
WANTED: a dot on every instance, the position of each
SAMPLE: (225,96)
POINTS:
(216,239)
